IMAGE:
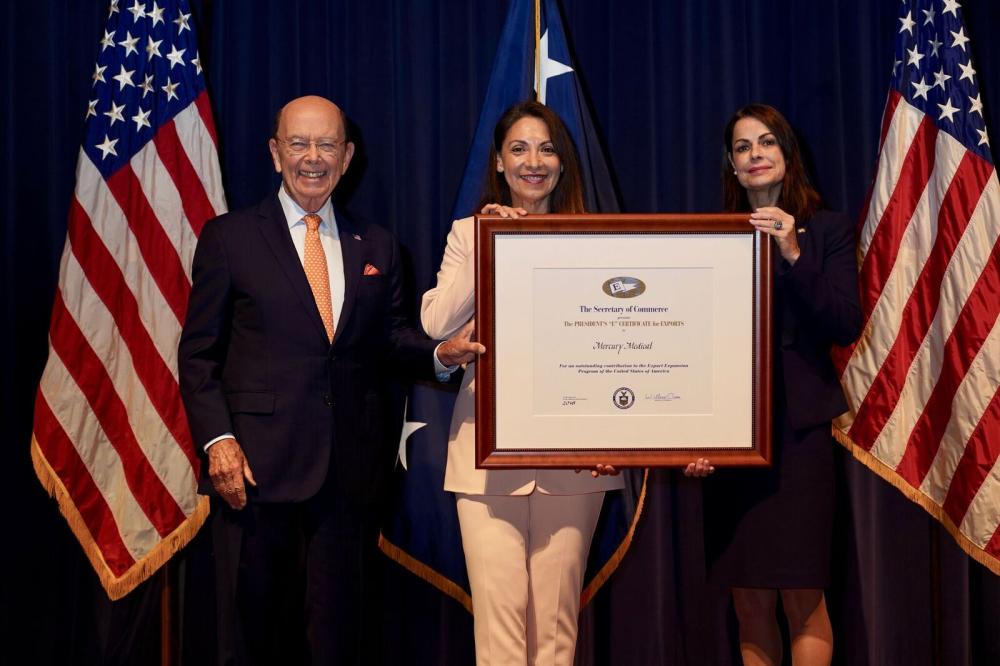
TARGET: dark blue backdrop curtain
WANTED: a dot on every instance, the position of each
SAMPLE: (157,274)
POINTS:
(662,78)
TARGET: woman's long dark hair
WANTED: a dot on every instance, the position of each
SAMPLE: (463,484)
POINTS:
(567,196)
(798,197)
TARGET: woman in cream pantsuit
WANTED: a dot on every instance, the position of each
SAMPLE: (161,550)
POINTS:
(526,533)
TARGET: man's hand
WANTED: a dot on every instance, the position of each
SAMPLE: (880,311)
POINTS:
(461,348)
(228,467)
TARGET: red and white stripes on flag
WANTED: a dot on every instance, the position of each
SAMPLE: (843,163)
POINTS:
(922,381)
(111,440)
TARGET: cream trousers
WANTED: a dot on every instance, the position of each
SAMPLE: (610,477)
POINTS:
(526,557)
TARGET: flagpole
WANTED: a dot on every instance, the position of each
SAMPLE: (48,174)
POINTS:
(935,583)
(538,46)
(166,617)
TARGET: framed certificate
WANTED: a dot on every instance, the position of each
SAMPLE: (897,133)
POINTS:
(630,340)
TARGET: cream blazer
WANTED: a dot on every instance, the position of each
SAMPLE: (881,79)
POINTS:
(444,310)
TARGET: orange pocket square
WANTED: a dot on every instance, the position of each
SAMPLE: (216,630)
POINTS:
(371,270)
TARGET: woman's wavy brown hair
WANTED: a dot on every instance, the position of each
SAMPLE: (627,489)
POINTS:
(798,197)
(567,196)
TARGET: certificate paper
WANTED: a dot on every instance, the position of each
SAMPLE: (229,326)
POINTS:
(633,343)
(637,344)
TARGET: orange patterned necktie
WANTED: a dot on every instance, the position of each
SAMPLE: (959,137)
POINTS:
(314,264)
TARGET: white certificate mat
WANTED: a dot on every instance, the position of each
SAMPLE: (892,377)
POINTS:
(637,340)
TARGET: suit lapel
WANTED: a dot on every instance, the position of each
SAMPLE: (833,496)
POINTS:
(274,228)
(352,249)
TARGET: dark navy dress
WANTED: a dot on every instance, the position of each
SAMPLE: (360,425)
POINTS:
(772,527)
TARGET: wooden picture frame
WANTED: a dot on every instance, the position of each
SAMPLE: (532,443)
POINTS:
(629,340)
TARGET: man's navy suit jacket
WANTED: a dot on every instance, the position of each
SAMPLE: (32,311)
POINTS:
(255,360)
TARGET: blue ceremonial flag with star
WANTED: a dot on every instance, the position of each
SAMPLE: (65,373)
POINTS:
(422,531)
(513,81)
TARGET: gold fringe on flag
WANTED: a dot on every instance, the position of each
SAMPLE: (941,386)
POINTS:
(612,564)
(456,592)
(116,586)
(973,550)
(421,570)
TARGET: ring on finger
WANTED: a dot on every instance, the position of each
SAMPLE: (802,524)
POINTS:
(777,225)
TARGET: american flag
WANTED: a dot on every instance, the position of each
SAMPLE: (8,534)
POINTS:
(111,440)
(922,380)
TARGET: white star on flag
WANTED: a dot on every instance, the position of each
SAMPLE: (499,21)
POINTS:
(91,108)
(935,45)
(115,114)
(951,6)
(940,77)
(960,38)
(977,105)
(409,427)
(156,14)
(137,10)
(908,23)
(929,13)
(153,48)
(98,75)
(548,67)
(915,56)
(176,57)
(108,147)
(921,87)
(124,77)
(967,72)
(947,110)
(129,44)
(182,23)
(147,85)
(107,40)
(170,89)
(141,119)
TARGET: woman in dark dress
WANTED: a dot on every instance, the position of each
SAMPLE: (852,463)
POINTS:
(768,530)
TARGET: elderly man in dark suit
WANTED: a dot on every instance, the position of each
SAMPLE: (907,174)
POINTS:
(294,327)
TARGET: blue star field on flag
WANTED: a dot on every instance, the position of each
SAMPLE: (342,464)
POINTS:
(933,71)
(147,71)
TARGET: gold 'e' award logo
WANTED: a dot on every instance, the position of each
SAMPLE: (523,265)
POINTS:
(623,287)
